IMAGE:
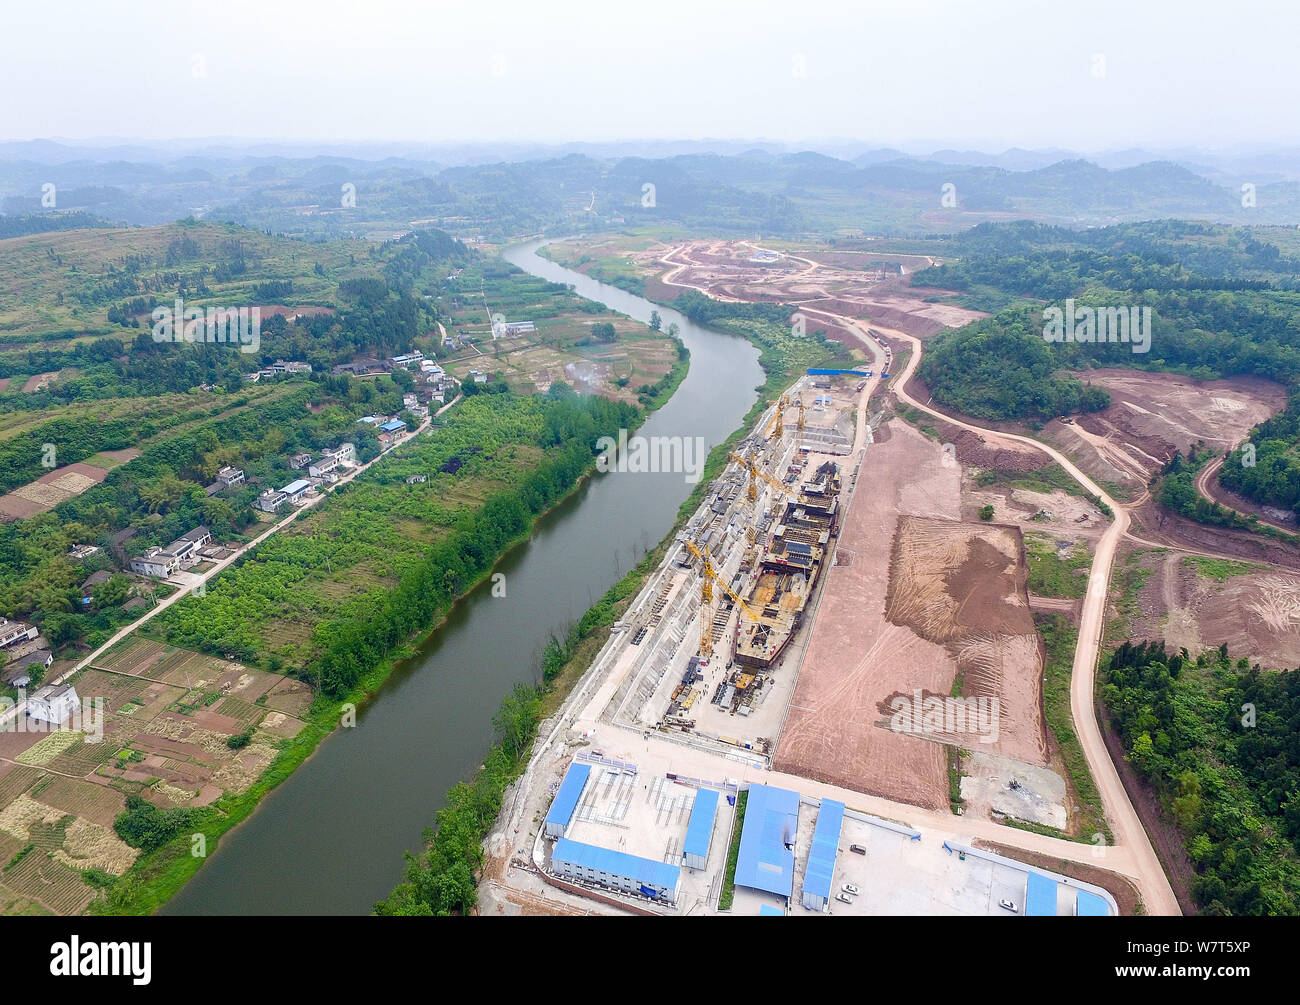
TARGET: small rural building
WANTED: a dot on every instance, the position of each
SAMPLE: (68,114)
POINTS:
(81,552)
(392,426)
(299,461)
(43,657)
(93,580)
(417,479)
(295,490)
(817,879)
(566,799)
(155,562)
(16,631)
(53,703)
(616,870)
(186,547)
(17,676)
(699,828)
(322,467)
(270,501)
(228,476)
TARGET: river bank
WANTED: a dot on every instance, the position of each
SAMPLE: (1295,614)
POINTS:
(367,793)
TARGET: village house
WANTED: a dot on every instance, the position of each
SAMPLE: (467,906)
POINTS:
(390,432)
(344,453)
(296,491)
(12,632)
(81,552)
(299,461)
(155,562)
(322,467)
(162,562)
(53,703)
(270,501)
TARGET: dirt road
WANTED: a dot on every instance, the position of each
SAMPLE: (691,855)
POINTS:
(192,580)
(1157,895)
(1132,841)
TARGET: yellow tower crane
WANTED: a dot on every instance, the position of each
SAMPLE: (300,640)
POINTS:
(801,414)
(756,472)
(710,575)
(777,427)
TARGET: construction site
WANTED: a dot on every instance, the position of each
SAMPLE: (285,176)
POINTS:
(834,573)
(712,652)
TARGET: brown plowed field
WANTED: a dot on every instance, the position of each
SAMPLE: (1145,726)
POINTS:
(961,585)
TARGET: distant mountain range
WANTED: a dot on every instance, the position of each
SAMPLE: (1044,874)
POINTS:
(503,190)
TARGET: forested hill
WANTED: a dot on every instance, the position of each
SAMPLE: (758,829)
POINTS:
(1223,301)
(1217,742)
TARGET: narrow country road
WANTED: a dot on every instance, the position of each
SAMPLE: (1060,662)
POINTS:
(193,580)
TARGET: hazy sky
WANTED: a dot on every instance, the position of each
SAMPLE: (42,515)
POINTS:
(1084,75)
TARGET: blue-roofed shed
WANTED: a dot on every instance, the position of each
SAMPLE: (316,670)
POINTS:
(1089,905)
(768,911)
(699,829)
(766,860)
(1040,896)
(821,856)
(616,869)
(566,800)
(392,426)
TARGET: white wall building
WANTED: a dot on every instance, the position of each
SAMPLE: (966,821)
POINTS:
(53,703)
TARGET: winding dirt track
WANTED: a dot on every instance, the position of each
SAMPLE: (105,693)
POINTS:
(1130,836)
(1203,488)
(1157,894)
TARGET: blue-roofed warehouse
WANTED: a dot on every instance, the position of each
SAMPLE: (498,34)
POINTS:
(699,829)
(766,860)
(821,856)
(1089,905)
(1040,896)
(616,870)
(392,426)
(566,800)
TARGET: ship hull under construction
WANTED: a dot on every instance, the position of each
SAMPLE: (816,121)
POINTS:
(788,571)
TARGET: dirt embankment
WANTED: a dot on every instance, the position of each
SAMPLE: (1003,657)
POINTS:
(1153,523)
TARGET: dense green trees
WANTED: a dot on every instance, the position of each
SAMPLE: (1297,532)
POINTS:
(1223,302)
(1002,368)
(143,825)
(1268,471)
(1220,746)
